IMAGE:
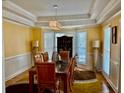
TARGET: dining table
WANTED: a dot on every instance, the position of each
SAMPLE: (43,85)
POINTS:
(61,69)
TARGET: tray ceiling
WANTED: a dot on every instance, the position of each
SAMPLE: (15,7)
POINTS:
(65,7)
(69,12)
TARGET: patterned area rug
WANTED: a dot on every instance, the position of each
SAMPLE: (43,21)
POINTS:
(23,88)
(84,75)
(92,87)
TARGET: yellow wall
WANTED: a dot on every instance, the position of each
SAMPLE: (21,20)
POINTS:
(38,35)
(94,33)
(17,39)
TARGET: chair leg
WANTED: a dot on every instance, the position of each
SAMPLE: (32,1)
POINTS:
(39,90)
(70,86)
(72,81)
(57,89)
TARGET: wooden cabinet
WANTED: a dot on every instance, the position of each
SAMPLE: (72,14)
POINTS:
(65,43)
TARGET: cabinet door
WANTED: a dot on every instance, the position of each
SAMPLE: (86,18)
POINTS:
(65,43)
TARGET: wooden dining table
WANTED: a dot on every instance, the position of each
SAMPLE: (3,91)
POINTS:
(62,70)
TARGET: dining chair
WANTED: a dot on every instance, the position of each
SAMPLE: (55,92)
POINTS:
(64,55)
(45,56)
(46,77)
(38,58)
(72,70)
(69,74)
(55,56)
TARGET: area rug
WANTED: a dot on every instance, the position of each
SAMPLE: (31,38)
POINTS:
(23,88)
(93,87)
(84,75)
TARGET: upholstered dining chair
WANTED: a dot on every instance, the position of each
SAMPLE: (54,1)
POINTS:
(38,58)
(70,73)
(45,56)
(55,56)
(72,70)
(46,77)
(64,55)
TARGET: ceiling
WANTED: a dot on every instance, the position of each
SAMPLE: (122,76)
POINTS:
(65,7)
(69,12)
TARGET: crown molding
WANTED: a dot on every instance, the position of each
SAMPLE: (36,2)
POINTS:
(13,22)
(107,21)
(93,10)
(69,23)
(112,8)
(75,28)
(63,18)
(10,6)
(92,7)
(13,17)
(15,13)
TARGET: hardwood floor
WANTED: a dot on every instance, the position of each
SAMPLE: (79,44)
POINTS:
(105,87)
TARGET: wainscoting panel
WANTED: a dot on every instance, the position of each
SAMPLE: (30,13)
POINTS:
(113,78)
(114,73)
(17,64)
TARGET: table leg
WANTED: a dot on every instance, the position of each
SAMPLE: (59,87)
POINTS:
(65,84)
(31,82)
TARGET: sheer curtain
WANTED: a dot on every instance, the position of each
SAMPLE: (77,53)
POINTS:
(106,55)
(49,43)
(81,47)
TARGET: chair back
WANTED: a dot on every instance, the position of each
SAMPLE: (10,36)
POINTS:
(73,66)
(45,56)
(55,56)
(71,72)
(64,55)
(46,73)
(38,58)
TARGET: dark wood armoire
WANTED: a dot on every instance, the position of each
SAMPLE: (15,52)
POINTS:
(65,43)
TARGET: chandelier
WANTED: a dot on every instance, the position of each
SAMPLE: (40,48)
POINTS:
(55,25)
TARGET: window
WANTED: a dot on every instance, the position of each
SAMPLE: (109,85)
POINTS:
(49,43)
(81,39)
(106,55)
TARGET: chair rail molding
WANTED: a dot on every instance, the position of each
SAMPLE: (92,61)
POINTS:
(15,65)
